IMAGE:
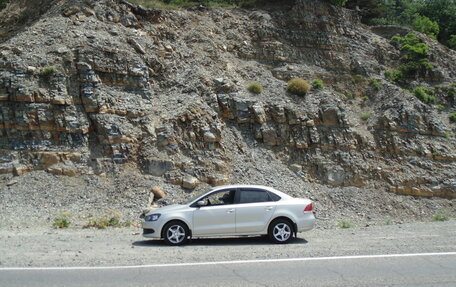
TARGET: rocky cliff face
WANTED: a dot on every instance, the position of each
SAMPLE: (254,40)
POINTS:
(94,87)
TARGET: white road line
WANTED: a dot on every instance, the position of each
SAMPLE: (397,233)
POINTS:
(230,262)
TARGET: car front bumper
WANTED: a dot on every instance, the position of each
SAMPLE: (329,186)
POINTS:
(151,229)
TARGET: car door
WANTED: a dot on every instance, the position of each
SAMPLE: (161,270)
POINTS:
(217,216)
(254,209)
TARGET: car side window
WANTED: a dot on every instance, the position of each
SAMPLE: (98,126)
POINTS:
(253,195)
(220,198)
(274,196)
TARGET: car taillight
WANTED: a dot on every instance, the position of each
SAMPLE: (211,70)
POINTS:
(309,208)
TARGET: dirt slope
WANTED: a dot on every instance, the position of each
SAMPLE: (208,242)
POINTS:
(100,100)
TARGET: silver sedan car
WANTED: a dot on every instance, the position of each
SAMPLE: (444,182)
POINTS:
(234,210)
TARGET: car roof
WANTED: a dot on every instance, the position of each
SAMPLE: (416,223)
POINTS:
(236,186)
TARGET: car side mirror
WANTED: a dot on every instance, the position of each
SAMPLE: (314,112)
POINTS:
(201,203)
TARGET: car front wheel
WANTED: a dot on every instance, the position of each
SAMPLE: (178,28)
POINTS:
(175,233)
(280,231)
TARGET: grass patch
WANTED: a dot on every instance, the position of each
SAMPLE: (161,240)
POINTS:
(255,88)
(366,116)
(441,216)
(388,222)
(394,76)
(376,84)
(48,71)
(110,219)
(62,221)
(103,222)
(422,94)
(298,86)
(453,117)
(318,84)
(345,223)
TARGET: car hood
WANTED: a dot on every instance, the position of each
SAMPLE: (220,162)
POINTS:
(168,208)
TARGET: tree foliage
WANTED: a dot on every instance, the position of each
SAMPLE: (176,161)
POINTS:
(426,26)
(3,4)
(341,3)
(414,55)
(435,18)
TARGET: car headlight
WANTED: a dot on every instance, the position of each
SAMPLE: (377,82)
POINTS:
(152,217)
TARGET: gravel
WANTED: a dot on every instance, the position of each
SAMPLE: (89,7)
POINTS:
(47,247)
(37,198)
(383,222)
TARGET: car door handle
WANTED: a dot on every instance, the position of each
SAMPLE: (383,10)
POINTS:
(230,210)
(269,208)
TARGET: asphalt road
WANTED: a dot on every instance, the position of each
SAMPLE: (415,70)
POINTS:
(418,254)
(438,269)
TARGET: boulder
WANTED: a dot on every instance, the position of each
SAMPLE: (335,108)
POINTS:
(189,182)
(157,192)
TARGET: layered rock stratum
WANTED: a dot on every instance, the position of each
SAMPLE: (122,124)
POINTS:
(107,89)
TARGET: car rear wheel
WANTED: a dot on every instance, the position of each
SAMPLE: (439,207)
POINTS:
(280,231)
(175,233)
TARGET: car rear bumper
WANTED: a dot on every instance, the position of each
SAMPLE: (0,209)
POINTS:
(306,223)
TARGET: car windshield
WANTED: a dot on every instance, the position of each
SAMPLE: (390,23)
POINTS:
(195,197)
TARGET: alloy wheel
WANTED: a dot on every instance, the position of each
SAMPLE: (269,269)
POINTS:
(175,234)
(281,232)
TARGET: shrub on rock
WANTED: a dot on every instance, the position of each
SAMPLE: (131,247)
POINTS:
(255,88)
(298,86)
(318,84)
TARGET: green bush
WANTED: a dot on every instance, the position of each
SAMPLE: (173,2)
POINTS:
(298,86)
(453,117)
(414,55)
(110,219)
(440,107)
(394,75)
(318,84)
(452,42)
(48,70)
(255,88)
(3,4)
(340,3)
(62,221)
(103,222)
(346,224)
(426,26)
(366,116)
(376,84)
(441,216)
(449,135)
(422,94)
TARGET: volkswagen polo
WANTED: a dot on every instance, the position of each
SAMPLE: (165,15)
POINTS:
(234,210)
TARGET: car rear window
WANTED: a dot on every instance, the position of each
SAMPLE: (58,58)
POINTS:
(274,196)
(253,195)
